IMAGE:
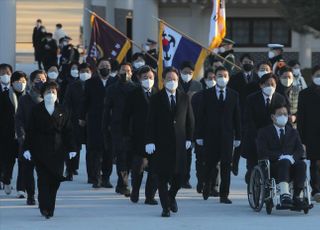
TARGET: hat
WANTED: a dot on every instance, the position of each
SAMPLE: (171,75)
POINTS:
(151,42)
(227,41)
(275,46)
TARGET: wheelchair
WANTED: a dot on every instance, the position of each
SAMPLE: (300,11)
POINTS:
(263,190)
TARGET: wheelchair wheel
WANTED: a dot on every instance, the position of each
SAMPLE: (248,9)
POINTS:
(256,189)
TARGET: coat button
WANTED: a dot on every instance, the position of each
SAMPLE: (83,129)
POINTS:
(174,122)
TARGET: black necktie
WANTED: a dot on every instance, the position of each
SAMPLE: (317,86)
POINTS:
(281,136)
(221,96)
(268,103)
(172,104)
(5,89)
(248,77)
(148,94)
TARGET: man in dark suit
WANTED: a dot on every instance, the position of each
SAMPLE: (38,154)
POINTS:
(168,135)
(245,83)
(99,154)
(38,34)
(218,130)
(190,86)
(309,128)
(134,126)
(257,116)
(281,145)
(115,102)
(49,52)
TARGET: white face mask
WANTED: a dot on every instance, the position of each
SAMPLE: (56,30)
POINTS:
(271,54)
(210,83)
(52,75)
(5,79)
(147,84)
(316,80)
(222,82)
(261,73)
(85,76)
(74,73)
(268,91)
(186,77)
(171,85)
(19,86)
(113,74)
(281,121)
(286,82)
(296,72)
(138,64)
(50,98)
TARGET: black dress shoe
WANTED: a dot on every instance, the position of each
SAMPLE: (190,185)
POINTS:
(31,201)
(69,177)
(206,191)
(299,204)
(96,185)
(151,201)
(225,200)
(90,181)
(165,213)
(123,191)
(134,197)
(173,205)
(75,172)
(214,193)
(186,185)
(45,213)
(286,201)
(199,187)
(106,184)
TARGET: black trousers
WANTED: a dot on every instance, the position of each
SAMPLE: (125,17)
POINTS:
(283,171)
(252,161)
(189,161)
(165,193)
(315,176)
(99,162)
(8,160)
(211,174)
(48,187)
(25,179)
(139,165)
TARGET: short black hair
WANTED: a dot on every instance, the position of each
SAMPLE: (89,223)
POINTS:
(284,70)
(266,77)
(209,70)
(187,64)
(84,65)
(315,69)
(35,73)
(49,85)
(59,25)
(17,75)
(144,69)
(276,106)
(220,68)
(127,63)
(5,66)
(168,70)
(292,63)
(101,60)
(264,63)
(246,55)
(49,35)
(138,54)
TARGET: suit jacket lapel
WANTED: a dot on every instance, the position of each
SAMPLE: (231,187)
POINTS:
(165,100)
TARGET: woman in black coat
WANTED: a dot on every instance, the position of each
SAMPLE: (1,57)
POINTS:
(48,139)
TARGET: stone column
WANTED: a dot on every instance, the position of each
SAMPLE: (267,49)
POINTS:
(8,32)
(305,51)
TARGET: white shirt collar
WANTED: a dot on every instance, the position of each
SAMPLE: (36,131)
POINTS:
(104,81)
(218,92)
(169,93)
(5,86)
(49,108)
(265,97)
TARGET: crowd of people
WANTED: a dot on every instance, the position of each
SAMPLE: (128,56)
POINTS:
(121,116)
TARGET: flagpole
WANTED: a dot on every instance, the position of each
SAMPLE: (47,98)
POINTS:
(122,34)
(179,31)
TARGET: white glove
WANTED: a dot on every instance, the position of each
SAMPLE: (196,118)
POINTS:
(72,155)
(188,145)
(27,155)
(236,143)
(150,148)
(287,157)
(199,142)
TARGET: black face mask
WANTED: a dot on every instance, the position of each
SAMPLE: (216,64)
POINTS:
(104,72)
(38,85)
(248,67)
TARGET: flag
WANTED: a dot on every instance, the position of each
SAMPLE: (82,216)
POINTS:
(217,24)
(106,42)
(175,48)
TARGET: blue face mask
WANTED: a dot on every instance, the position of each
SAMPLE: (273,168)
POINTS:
(38,85)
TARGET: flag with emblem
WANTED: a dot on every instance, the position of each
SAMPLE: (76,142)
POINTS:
(175,48)
(106,41)
(217,24)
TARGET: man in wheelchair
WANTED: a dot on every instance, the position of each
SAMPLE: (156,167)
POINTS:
(281,145)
